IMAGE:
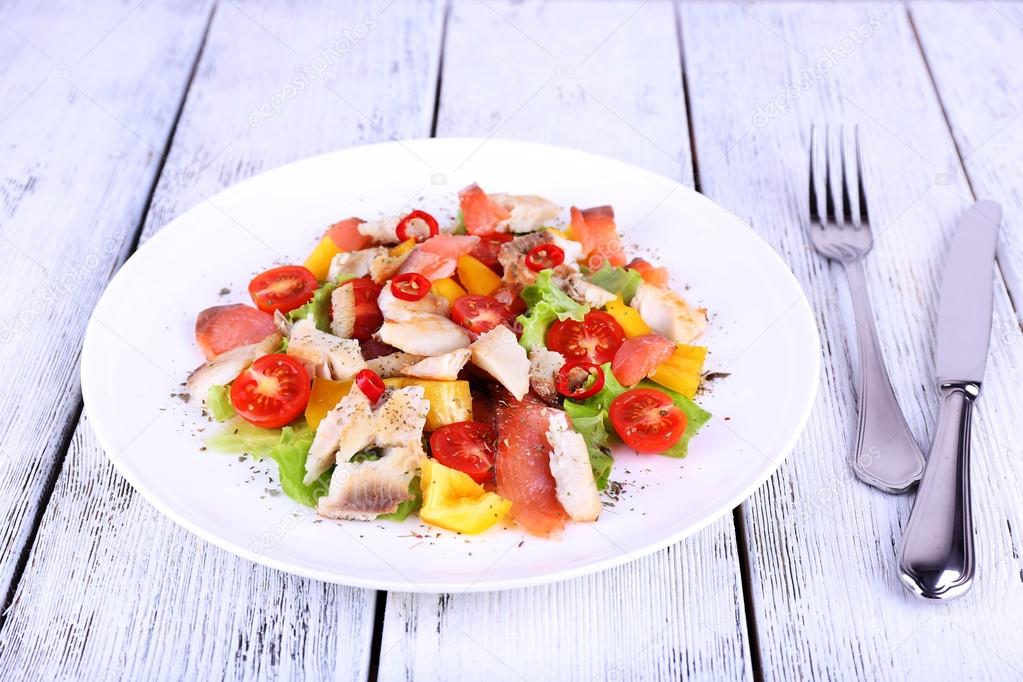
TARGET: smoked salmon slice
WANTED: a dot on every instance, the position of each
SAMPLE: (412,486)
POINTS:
(523,467)
(480,213)
(437,258)
(225,327)
(595,229)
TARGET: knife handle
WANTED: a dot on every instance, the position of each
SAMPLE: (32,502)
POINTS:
(887,455)
(936,557)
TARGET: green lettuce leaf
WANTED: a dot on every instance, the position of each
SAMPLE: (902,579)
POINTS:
(218,403)
(546,302)
(242,438)
(290,453)
(460,224)
(318,306)
(589,423)
(409,506)
(617,280)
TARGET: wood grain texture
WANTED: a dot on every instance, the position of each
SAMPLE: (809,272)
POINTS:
(604,77)
(83,130)
(113,590)
(973,51)
(823,546)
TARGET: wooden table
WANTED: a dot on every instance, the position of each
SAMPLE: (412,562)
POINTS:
(117,116)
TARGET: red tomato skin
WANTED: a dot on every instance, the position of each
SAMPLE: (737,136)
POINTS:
(598,329)
(510,297)
(487,251)
(293,381)
(303,283)
(368,317)
(659,277)
(347,236)
(225,327)
(449,442)
(639,356)
(627,413)
(479,314)
(480,213)
(596,231)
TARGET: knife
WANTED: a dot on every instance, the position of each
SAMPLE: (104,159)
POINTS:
(936,557)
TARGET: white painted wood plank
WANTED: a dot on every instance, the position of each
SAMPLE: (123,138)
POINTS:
(83,126)
(604,77)
(115,590)
(823,546)
(973,51)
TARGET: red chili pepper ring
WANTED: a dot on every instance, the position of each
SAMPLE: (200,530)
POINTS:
(544,256)
(410,286)
(414,222)
(574,377)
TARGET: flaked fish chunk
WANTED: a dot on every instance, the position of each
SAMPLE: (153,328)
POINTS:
(382,230)
(344,431)
(575,487)
(325,355)
(588,293)
(527,212)
(356,263)
(669,314)
(388,366)
(425,335)
(441,367)
(400,420)
(499,354)
(395,309)
(544,366)
(224,368)
(362,491)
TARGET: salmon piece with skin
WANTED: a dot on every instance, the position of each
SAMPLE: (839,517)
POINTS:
(225,327)
(523,464)
(595,229)
(437,257)
(480,213)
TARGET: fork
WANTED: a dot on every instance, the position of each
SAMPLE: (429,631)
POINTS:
(886,455)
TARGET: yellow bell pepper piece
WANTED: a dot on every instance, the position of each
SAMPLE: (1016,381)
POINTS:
(452,500)
(447,288)
(450,401)
(564,234)
(403,248)
(682,371)
(318,261)
(324,396)
(476,277)
(628,317)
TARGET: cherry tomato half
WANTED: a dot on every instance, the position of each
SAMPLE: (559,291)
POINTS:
(467,447)
(363,313)
(370,383)
(595,339)
(415,224)
(488,250)
(574,380)
(272,392)
(544,256)
(410,286)
(479,314)
(647,420)
(284,288)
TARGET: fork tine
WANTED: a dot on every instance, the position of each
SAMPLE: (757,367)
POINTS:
(864,219)
(847,215)
(815,214)
(829,196)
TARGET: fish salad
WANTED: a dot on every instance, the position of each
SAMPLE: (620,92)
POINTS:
(473,374)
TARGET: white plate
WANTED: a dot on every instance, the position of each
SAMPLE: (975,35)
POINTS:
(139,348)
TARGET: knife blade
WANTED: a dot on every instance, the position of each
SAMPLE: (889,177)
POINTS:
(965,303)
(936,558)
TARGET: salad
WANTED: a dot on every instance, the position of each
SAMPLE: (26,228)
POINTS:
(471,373)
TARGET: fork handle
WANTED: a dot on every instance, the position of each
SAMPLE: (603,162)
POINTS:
(887,455)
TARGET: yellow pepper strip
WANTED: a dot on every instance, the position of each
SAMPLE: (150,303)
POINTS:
(450,401)
(682,371)
(404,248)
(318,261)
(476,277)
(323,397)
(564,234)
(452,500)
(447,288)
(628,317)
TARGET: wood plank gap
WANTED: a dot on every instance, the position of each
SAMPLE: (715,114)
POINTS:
(68,431)
(742,544)
(1002,259)
(376,641)
(440,68)
(738,521)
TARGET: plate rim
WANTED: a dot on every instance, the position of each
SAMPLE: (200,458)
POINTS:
(89,349)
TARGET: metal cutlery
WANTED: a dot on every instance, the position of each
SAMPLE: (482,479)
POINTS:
(936,557)
(887,455)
